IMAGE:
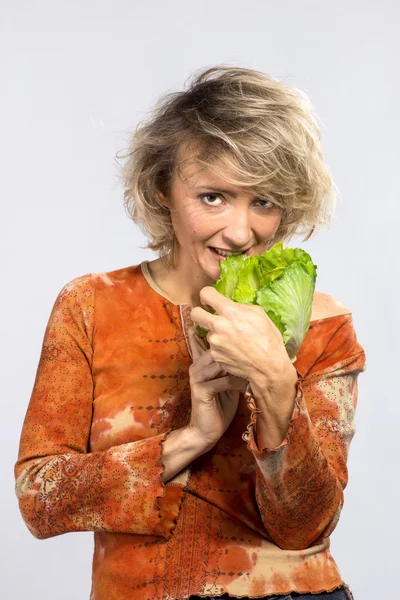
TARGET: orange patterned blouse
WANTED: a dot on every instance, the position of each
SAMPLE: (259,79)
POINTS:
(111,383)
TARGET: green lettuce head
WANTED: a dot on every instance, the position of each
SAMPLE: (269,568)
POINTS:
(282,281)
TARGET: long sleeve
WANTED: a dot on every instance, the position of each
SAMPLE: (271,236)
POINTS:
(60,486)
(299,485)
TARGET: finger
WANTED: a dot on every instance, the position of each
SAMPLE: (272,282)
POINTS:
(203,362)
(238,383)
(202,341)
(226,398)
(241,384)
(200,373)
(224,384)
(211,297)
(197,347)
(198,343)
(202,317)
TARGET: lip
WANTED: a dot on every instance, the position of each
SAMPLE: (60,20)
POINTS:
(228,250)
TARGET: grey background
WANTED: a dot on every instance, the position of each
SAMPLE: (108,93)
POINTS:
(76,77)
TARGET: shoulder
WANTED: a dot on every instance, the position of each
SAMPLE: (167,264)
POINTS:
(73,286)
(325,306)
(116,278)
(330,344)
(76,299)
(100,280)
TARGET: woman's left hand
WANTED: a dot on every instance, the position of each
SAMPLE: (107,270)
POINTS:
(244,341)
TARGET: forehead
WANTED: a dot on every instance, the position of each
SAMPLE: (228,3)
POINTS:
(194,174)
(208,166)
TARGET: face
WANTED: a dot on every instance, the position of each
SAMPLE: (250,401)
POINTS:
(209,214)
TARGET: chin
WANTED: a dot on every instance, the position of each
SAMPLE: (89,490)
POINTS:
(210,270)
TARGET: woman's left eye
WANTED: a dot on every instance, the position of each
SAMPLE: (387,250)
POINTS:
(266,203)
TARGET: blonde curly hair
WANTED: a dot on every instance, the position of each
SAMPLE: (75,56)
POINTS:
(235,119)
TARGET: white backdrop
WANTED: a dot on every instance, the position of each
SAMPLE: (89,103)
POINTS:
(77,76)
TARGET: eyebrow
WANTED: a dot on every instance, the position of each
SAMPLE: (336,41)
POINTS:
(219,190)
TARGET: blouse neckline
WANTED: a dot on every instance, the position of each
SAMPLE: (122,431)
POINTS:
(146,274)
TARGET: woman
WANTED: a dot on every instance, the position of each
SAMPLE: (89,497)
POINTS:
(206,467)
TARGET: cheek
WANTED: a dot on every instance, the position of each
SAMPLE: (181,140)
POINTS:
(197,223)
(190,223)
(275,222)
(269,226)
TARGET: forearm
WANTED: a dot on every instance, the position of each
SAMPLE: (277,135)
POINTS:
(117,490)
(180,448)
(271,430)
(276,409)
(299,495)
(114,490)
(300,483)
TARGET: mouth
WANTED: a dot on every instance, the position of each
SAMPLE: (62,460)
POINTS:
(223,254)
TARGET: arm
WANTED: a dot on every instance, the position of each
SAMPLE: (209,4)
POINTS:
(300,483)
(180,448)
(60,486)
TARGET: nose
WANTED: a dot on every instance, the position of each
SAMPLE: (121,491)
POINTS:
(237,230)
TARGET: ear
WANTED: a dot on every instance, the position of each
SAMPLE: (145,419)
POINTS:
(163,199)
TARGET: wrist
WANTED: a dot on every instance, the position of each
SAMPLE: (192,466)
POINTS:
(180,448)
(195,441)
(264,387)
(276,410)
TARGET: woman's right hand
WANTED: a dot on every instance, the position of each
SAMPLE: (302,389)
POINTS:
(215,393)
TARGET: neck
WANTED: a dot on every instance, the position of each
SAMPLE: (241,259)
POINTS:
(179,282)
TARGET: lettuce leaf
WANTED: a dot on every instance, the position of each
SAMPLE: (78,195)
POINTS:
(288,303)
(282,281)
(229,274)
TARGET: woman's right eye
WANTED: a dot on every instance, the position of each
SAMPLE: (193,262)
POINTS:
(204,196)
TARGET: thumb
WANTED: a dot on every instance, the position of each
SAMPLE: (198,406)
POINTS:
(196,343)
(239,383)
